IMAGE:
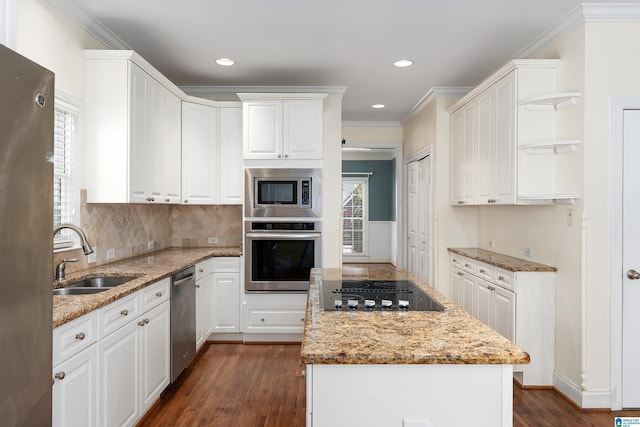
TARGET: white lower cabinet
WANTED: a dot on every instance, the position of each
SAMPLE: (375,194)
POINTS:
(111,365)
(225,313)
(275,314)
(203,302)
(520,305)
(75,373)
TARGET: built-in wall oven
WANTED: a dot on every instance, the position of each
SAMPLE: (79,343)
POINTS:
(281,254)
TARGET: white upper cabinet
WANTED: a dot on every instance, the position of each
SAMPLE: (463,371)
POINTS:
(281,126)
(231,168)
(504,138)
(200,154)
(133,120)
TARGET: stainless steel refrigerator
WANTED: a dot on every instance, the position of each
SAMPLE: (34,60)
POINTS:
(26,241)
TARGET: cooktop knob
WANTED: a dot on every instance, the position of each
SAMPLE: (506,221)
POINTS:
(352,304)
(337,304)
(403,304)
(387,304)
(369,304)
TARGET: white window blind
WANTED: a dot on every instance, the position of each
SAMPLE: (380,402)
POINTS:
(354,216)
(65,193)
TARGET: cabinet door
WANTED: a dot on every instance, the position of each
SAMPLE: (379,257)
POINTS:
(504,157)
(455,291)
(231,166)
(262,129)
(303,128)
(139,96)
(457,161)
(203,309)
(119,377)
(484,302)
(485,146)
(74,390)
(155,353)
(226,302)
(200,159)
(470,158)
(504,312)
(468,288)
(168,164)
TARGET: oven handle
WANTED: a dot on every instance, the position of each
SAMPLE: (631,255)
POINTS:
(290,236)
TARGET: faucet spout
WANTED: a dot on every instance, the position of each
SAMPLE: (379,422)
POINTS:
(86,247)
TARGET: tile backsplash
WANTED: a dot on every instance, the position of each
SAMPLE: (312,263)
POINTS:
(127,229)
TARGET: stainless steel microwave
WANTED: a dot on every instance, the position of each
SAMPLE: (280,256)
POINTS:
(283,193)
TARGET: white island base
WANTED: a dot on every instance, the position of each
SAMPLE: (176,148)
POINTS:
(399,395)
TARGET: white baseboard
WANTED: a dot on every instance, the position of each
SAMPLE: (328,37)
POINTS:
(584,399)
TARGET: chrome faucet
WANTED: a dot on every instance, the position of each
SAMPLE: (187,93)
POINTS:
(86,247)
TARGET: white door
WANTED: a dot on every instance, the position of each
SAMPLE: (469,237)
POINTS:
(424,219)
(413,228)
(631,261)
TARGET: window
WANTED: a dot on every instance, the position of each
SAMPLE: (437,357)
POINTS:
(354,216)
(65,192)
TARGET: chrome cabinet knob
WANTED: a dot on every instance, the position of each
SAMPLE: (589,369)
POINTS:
(80,336)
(124,312)
(633,275)
(141,323)
(59,376)
(158,294)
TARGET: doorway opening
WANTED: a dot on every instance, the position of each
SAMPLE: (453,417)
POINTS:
(355,218)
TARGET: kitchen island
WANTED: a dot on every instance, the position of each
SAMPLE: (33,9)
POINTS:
(391,368)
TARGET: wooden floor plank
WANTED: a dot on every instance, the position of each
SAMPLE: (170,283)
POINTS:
(262,386)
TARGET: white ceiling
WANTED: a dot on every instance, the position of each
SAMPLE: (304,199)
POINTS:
(350,43)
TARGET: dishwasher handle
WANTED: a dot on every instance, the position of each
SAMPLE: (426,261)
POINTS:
(183,280)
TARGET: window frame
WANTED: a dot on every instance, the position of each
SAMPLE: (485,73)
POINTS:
(365,217)
(68,105)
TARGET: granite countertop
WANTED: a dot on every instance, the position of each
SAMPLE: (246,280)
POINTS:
(147,269)
(503,261)
(395,337)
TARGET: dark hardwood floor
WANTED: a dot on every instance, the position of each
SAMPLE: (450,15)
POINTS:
(261,386)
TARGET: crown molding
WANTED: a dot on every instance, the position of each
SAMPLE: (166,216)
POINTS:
(90,24)
(370,124)
(586,12)
(226,90)
(431,95)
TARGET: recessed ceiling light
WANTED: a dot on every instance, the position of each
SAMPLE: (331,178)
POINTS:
(378,106)
(225,62)
(401,63)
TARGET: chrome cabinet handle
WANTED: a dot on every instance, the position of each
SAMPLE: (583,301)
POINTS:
(124,312)
(460,273)
(59,376)
(482,270)
(460,202)
(501,278)
(158,294)
(80,336)
(633,275)
(201,270)
(166,200)
(197,286)
(141,323)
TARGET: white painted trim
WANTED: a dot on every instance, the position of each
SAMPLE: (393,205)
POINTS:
(618,105)
(617,12)
(371,124)
(420,154)
(431,95)
(89,24)
(584,399)
(8,23)
(227,90)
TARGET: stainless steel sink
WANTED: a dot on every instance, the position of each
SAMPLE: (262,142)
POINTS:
(92,285)
(100,282)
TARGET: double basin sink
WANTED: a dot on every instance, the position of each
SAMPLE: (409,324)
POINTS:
(92,285)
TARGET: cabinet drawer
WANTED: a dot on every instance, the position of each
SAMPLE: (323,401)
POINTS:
(73,337)
(485,271)
(118,314)
(504,278)
(226,264)
(456,260)
(469,265)
(276,320)
(203,268)
(154,295)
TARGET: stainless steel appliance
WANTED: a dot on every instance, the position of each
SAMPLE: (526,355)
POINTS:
(26,240)
(375,295)
(183,320)
(283,193)
(280,255)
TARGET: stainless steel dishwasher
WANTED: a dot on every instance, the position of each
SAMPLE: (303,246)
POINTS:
(183,320)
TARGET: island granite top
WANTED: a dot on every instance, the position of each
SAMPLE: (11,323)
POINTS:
(147,269)
(398,337)
(503,261)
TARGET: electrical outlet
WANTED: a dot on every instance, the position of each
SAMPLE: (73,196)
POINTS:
(570,217)
(111,254)
(150,245)
(528,252)
(491,243)
(91,258)
(212,240)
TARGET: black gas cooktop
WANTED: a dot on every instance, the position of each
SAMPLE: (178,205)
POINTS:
(375,295)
